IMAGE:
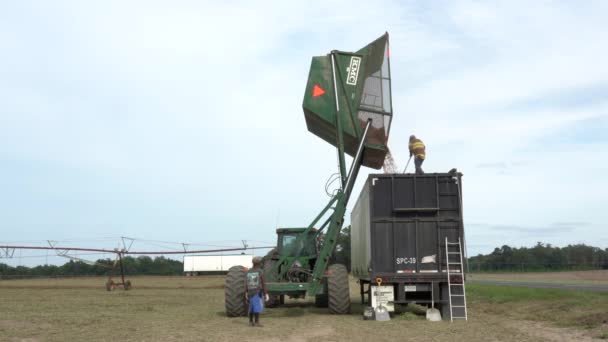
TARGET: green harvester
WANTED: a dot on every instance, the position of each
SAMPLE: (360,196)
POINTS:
(347,103)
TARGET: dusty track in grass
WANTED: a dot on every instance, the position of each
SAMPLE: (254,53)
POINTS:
(192,309)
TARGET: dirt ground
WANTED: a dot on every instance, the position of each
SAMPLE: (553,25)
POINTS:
(192,309)
(590,277)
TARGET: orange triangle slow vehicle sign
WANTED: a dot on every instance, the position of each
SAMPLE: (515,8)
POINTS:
(317,91)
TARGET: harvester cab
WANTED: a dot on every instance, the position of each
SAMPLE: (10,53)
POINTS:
(347,102)
(295,249)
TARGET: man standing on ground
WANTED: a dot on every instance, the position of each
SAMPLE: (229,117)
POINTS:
(255,291)
(417,149)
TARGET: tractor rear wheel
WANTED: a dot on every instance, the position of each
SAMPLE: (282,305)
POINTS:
(268,262)
(337,290)
(235,292)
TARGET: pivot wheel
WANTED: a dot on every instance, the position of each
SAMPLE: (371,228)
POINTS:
(235,292)
(109,285)
(337,289)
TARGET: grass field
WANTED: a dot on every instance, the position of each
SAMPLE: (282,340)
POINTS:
(192,309)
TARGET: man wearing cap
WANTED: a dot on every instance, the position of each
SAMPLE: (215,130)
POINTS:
(417,149)
(255,291)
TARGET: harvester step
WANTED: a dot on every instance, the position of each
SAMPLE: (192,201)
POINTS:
(454,263)
(457,295)
(453,252)
(458,306)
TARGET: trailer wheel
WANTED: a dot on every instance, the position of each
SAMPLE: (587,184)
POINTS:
(444,307)
(235,292)
(109,285)
(127,285)
(337,290)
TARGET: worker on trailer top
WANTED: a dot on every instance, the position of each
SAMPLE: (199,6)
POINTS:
(417,149)
(255,291)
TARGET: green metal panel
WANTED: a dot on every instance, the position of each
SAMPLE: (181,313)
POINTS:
(285,288)
(363,92)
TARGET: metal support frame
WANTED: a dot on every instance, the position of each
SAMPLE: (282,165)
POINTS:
(7,253)
(335,222)
(110,284)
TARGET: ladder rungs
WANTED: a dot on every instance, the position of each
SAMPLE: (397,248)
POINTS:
(460,266)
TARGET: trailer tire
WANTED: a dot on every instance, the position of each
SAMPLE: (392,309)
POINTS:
(444,307)
(127,285)
(338,290)
(235,292)
(109,285)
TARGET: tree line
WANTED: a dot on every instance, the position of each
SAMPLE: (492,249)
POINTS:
(541,257)
(142,265)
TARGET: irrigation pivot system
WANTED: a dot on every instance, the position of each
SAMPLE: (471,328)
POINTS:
(117,266)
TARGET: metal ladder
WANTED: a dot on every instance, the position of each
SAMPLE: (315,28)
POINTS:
(457,285)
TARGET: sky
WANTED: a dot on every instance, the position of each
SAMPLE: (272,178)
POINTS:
(181,121)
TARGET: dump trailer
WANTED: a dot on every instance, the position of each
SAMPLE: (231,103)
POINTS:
(347,103)
(207,264)
(400,225)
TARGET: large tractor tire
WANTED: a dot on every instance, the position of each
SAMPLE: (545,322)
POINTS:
(267,263)
(337,290)
(236,305)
